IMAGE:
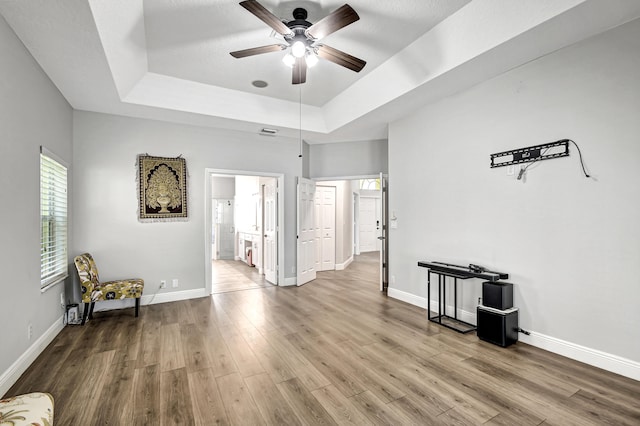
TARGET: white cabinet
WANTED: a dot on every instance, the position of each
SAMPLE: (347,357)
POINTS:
(251,241)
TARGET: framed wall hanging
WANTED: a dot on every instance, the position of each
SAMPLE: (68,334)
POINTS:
(162,188)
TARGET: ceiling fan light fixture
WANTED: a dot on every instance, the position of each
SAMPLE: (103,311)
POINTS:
(311,59)
(289,60)
(298,49)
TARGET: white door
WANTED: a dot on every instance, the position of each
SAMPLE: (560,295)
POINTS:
(305,268)
(384,237)
(368,232)
(270,246)
(317,228)
(325,228)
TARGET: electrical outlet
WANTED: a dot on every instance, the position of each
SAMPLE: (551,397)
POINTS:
(29,331)
(174,283)
(62,299)
(163,284)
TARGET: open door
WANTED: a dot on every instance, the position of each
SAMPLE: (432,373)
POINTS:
(269,219)
(384,221)
(306,254)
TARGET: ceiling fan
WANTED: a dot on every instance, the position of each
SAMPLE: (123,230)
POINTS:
(303,36)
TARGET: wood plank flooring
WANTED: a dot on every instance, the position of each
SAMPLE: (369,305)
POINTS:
(233,275)
(335,351)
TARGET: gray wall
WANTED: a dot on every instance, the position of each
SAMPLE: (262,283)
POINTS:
(105,149)
(571,244)
(348,159)
(32,113)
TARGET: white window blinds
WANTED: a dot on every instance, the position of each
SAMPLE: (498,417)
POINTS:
(53,220)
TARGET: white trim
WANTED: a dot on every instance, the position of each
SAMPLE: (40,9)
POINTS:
(54,156)
(409,298)
(280,232)
(53,284)
(13,373)
(606,361)
(357,177)
(594,357)
(173,296)
(343,266)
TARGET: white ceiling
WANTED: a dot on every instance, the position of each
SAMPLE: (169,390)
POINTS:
(169,59)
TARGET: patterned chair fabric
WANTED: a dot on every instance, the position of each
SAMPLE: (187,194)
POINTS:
(93,290)
(29,409)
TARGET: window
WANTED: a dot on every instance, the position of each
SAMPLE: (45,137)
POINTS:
(53,220)
(370,184)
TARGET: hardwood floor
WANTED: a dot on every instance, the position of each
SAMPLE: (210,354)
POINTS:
(234,275)
(334,351)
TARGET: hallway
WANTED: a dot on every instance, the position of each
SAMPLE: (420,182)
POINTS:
(235,275)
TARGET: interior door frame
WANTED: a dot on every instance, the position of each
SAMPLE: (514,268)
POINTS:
(210,172)
(263,234)
(355,219)
(384,237)
(385,218)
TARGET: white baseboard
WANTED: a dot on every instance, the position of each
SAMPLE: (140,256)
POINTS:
(412,299)
(173,296)
(606,361)
(596,358)
(150,299)
(409,298)
(343,266)
(13,373)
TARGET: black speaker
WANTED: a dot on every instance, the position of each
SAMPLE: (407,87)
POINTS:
(497,295)
(497,327)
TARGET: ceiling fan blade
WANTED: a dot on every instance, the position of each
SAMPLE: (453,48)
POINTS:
(339,18)
(339,57)
(265,16)
(258,50)
(299,71)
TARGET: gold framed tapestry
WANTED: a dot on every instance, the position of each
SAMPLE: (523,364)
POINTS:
(162,188)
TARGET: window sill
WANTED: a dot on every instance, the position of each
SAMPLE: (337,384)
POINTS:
(53,284)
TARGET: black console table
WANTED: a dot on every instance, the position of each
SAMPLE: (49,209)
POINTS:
(444,270)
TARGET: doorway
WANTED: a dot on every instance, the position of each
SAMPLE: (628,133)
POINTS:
(346,222)
(243,245)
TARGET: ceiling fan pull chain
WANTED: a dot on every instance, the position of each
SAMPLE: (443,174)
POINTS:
(300,119)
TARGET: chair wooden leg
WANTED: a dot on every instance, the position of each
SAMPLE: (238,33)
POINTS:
(86,312)
(91,310)
(137,306)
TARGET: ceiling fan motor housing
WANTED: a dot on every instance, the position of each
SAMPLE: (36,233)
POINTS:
(299,23)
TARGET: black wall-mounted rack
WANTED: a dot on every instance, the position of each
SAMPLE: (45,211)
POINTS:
(545,151)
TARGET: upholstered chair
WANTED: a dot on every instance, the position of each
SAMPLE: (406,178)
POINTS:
(27,410)
(93,290)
